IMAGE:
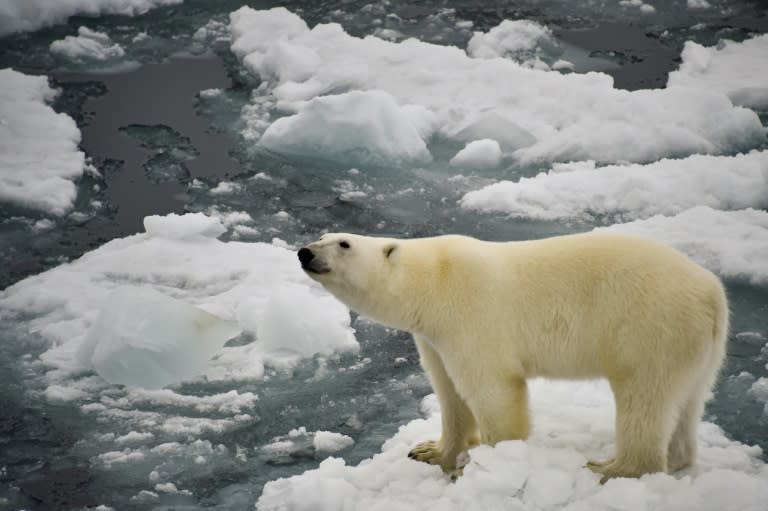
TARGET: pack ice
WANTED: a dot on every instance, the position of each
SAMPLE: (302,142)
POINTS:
(415,90)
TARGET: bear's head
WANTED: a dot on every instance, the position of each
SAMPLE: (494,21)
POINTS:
(358,270)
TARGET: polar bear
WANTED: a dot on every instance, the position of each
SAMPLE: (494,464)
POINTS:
(486,316)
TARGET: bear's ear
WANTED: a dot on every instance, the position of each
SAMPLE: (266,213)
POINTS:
(389,250)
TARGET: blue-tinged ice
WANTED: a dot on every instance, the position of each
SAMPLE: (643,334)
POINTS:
(146,339)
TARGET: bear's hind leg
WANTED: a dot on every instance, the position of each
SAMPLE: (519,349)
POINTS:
(459,427)
(645,420)
(682,447)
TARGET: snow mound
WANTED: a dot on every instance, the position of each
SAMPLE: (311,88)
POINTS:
(563,117)
(632,191)
(36,170)
(146,339)
(735,69)
(573,422)
(478,154)
(31,15)
(733,244)
(87,45)
(524,41)
(356,127)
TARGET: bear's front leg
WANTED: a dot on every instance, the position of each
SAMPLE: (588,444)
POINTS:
(459,427)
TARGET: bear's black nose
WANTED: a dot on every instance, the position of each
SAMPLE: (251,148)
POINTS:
(305,256)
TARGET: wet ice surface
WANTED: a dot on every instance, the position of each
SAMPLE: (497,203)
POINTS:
(204,132)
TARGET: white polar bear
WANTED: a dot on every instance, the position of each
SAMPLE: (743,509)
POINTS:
(486,316)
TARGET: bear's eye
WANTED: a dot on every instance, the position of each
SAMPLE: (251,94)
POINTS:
(343,244)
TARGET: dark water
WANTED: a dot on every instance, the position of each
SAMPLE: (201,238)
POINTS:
(151,135)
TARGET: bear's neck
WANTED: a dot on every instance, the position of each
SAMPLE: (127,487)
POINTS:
(403,305)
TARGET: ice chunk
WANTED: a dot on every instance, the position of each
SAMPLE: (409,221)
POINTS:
(524,41)
(567,116)
(295,324)
(34,14)
(359,127)
(179,227)
(490,125)
(146,339)
(479,154)
(87,45)
(36,171)
(631,191)
(329,441)
(733,244)
(735,69)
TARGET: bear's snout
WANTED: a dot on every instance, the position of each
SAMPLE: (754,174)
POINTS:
(311,263)
(305,256)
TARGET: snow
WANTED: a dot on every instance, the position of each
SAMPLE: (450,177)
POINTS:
(357,127)
(329,441)
(735,69)
(140,304)
(562,117)
(733,244)
(29,15)
(573,422)
(87,45)
(36,171)
(478,154)
(668,187)
(144,338)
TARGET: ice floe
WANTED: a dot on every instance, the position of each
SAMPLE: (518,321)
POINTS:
(131,301)
(733,244)
(583,190)
(87,45)
(39,155)
(557,117)
(572,423)
(34,14)
(735,69)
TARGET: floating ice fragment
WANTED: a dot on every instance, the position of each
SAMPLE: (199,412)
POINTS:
(35,171)
(87,45)
(179,227)
(329,441)
(524,41)
(146,339)
(479,154)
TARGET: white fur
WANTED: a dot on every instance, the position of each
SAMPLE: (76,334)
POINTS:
(486,316)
